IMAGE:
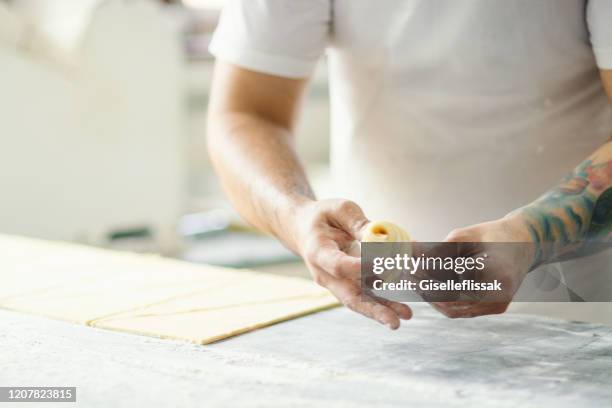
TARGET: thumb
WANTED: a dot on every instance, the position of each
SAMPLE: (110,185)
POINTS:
(351,218)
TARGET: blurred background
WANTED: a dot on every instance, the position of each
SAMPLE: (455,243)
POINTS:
(103,130)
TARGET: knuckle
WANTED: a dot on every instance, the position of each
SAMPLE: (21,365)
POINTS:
(501,308)
(346,206)
(458,234)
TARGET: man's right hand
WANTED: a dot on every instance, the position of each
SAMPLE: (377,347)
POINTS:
(326,231)
(251,123)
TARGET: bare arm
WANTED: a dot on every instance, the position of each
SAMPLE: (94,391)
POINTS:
(251,143)
(250,139)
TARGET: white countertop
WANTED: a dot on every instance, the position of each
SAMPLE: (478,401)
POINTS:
(334,358)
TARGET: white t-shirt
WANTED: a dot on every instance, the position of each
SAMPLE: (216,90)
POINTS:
(445,113)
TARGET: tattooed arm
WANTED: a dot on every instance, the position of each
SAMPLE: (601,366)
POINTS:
(577,211)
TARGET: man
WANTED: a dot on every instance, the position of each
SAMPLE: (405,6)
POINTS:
(445,114)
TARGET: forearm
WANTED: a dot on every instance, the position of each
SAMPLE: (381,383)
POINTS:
(259,170)
(576,212)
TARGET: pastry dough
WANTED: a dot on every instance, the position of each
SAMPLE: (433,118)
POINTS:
(384,231)
(205,320)
(147,294)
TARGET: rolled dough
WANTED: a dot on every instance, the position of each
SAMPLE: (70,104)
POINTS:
(147,294)
(384,231)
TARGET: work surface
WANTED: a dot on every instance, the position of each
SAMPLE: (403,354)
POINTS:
(333,358)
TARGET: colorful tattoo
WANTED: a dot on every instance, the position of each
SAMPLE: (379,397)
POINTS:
(578,211)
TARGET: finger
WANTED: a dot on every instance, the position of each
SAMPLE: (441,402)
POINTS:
(469,309)
(477,312)
(350,296)
(402,310)
(486,308)
(351,218)
(456,308)
(461,304)
(453,312)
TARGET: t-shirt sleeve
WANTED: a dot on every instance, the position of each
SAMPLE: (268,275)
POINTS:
(600,25)
(276,37)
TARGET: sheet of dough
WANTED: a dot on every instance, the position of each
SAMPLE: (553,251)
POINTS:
(147,294)
(25,262)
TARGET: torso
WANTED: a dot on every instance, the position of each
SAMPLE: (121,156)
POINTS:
(448,113)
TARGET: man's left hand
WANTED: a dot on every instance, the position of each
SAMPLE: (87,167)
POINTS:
(508,248)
